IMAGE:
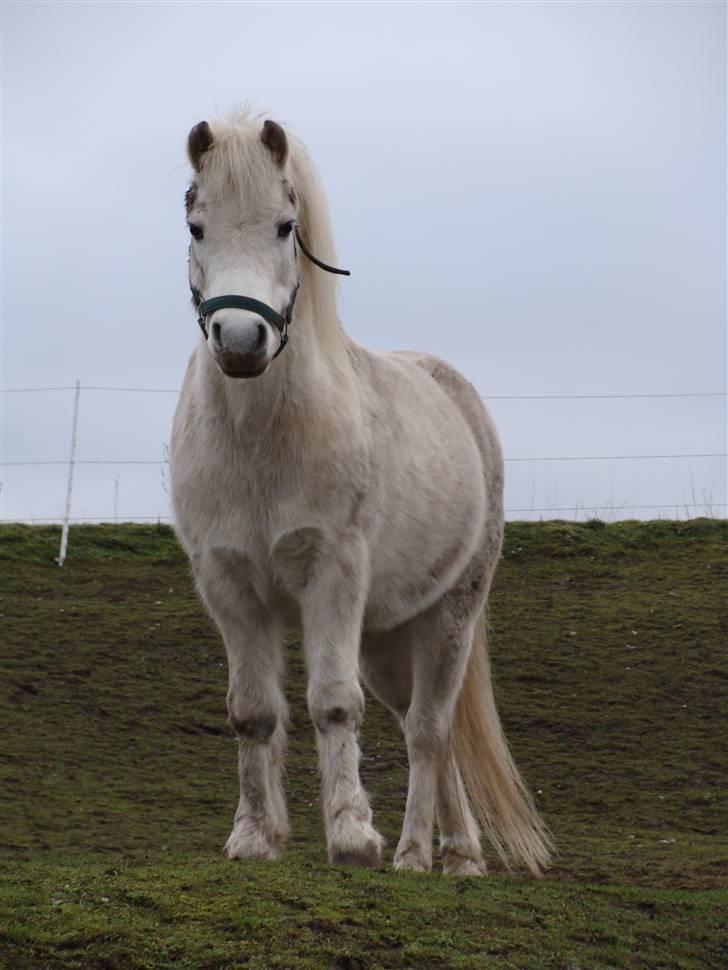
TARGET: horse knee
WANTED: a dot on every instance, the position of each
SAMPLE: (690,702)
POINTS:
(251,725)
(258,728)
(336,707)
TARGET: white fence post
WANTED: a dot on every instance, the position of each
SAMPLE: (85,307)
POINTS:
(69,491)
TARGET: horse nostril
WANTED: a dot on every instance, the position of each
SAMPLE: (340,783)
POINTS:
(261,339)
(216,339)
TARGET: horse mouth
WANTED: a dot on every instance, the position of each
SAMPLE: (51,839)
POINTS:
(237,374)
(241,366)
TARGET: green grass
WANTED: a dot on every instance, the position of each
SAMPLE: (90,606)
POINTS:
(118,780)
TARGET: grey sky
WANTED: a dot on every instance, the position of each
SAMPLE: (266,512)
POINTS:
(536,192)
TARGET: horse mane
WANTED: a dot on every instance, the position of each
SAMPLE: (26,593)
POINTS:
(239,161)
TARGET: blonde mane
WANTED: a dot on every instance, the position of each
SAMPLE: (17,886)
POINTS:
(238,161)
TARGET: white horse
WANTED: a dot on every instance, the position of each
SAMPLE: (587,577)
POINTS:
(354,496)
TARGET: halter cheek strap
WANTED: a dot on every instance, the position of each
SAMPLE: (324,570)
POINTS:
(279,320)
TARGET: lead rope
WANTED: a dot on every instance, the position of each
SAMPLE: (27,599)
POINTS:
(317,262)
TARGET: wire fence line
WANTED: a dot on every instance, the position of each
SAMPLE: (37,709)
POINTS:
(576,509)
(486,397)
(495,397)
(165,461)
(90,387)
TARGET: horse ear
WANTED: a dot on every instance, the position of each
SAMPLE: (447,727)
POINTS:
(274,139)
(198,142)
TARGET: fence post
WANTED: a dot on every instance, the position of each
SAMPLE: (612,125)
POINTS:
(69,490)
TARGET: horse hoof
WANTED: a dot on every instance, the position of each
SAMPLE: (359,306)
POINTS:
(459,866)
(366,856)
(249,844)
(412,859)
(369,856)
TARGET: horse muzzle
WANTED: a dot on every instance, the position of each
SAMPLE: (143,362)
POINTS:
(240,347)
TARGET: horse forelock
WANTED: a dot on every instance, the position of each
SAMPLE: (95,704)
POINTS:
(237,162)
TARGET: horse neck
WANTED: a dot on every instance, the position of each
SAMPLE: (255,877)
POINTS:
(309,374)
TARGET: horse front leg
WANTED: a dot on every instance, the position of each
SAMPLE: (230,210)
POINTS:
(256,707)
(261,819)
(332,593)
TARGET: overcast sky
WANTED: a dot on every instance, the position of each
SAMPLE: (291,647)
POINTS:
(534,191)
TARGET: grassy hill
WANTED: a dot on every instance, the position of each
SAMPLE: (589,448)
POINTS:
(118,776)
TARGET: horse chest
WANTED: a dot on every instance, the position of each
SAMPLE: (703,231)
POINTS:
(228,502)
(254,523)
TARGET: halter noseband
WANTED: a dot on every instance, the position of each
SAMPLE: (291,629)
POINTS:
(279,320)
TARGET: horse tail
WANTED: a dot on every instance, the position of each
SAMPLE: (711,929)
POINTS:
(502,804)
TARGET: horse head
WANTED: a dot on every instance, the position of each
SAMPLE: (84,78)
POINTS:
(241,213)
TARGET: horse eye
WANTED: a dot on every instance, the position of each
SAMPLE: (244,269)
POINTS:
(285,229)
(197,231)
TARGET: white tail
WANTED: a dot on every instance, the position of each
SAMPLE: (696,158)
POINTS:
(501,802)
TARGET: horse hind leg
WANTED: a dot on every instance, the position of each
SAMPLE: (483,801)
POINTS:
(386,668)
(460,847)
(478,754)
(439,657)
